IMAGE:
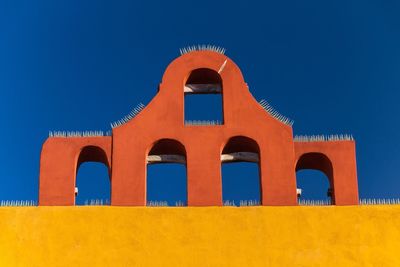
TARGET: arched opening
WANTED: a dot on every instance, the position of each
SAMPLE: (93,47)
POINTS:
(241,184)
(314,176)
(166,174)
(92,185)
(203,98)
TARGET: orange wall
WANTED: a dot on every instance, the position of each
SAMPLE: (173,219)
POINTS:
(163,118)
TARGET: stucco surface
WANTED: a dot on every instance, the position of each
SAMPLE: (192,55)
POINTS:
(210,236)
(244,120)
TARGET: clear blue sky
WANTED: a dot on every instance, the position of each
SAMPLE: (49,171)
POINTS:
(332,67)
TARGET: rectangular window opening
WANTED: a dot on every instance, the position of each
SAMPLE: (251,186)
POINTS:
(203,109)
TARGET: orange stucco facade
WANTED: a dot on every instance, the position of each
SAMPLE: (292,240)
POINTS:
(125,151)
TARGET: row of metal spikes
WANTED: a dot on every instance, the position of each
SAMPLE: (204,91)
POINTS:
(301,202)
(97,202)
(312,202)
(317,138)
(79,133)
(155,203)
(379,201)
(18,203)
(267,107)
(208,47)
(242,203)
(202,122)
(128,117)
(297,138)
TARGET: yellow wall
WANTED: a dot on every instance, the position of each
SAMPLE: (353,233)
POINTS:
(251,236)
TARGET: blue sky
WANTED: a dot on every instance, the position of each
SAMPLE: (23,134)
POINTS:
(332,67)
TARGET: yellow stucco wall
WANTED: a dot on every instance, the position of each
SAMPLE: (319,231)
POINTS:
(247,236)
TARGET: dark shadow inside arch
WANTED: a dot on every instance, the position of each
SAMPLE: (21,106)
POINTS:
(166,174)
(93,185)
(314,177)
(241,184)
(203,97)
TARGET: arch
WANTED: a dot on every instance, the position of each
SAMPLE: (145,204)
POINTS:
(241,143)
(168,156)
(203,80)
(320,162)
(242,155)
(94,154)
(203,88)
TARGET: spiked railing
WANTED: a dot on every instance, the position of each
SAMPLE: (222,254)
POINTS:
(18,203)
(242,203)
(379,201)
(128,117)
(248,203)
(180,203)
(229,203)
(208,47)
(323,138)
(265,105)
(313,202)
(154,203)
(363,201)
(97,202)
(78,133)
(202,122)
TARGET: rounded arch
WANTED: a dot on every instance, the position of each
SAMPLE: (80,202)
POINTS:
(320,162)
(92,153)
(204,76)
(200,59)
(241,143)
(241,181)
(95,193)
(203,88)
(167,146)
(316,161)
(166,184)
